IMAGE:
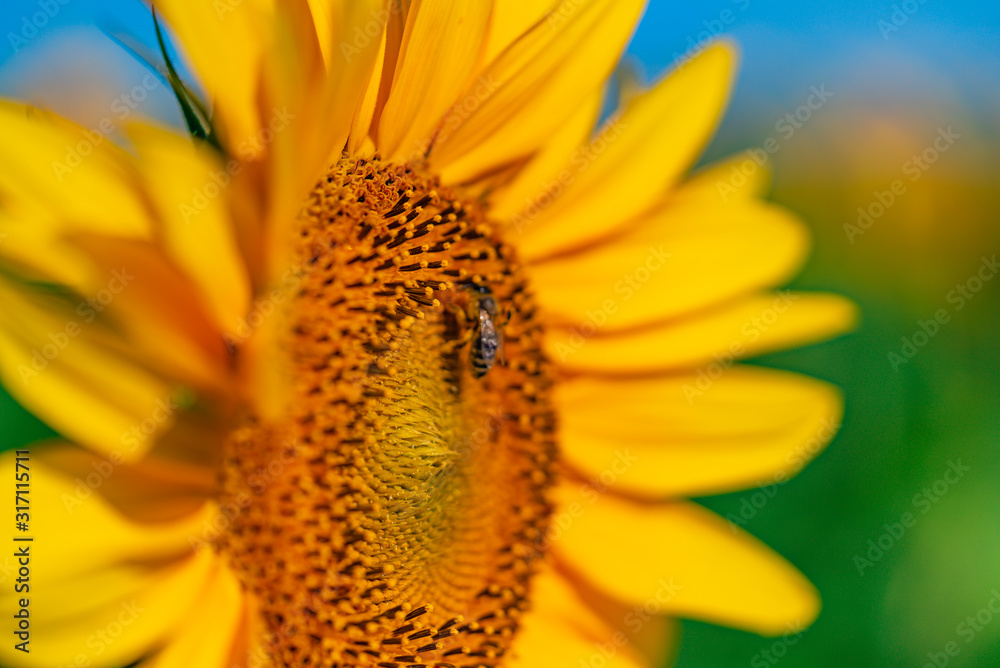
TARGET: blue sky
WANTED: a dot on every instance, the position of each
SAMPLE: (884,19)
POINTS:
(789,46)
(942,48)
(797,35)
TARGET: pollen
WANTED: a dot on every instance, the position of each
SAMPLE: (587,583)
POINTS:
(394,514)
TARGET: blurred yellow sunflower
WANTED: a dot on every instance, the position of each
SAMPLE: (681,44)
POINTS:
(395,358)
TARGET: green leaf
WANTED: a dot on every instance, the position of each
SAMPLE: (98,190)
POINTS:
(196,115)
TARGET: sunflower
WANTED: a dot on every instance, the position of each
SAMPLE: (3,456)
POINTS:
(398,356)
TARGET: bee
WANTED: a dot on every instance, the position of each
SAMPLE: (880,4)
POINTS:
(487,339)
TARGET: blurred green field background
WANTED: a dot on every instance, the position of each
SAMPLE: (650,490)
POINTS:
(907,419)
(904,426)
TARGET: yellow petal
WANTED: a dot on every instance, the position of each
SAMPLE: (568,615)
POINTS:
(354,41)
(362,123)
(59,173)
(209,635)
(560,631)
(56,178)
(734,179)
(653,636)
(39,252)
(226,43)
(153,489)
(383,75)
(687,560)
(324,23)
(688,434)
(441,49)
(640,155)
(104,196)
(745,328)
(510,21)
(685,258)
(531,190)
(189,189)
(312,108)
(157,311)
(69,510)
(62,186)
(94,572)
(74,383)
(110,619)
(518,101)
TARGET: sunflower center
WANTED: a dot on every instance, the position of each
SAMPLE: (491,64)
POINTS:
(393,516)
